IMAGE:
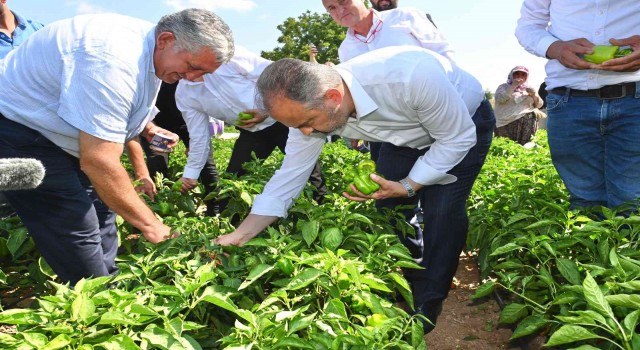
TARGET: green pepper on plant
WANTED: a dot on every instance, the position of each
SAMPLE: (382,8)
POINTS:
(360,177)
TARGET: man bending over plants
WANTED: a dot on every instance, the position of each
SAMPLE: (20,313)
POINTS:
(437,121)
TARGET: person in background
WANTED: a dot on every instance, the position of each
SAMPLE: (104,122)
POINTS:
(440,126)
(369,29)
(517,107)
(223,94)
(593,109)
(170,118)
(542,92)
(94,92)
(14,29)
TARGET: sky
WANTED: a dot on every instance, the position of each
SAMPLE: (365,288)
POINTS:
(481,31)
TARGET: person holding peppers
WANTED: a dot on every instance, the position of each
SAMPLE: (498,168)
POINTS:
(436,119)
(593,102)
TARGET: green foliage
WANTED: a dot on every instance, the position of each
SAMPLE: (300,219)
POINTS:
(310,27)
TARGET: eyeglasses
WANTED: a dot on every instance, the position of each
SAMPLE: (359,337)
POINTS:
(372,36)
(340,3)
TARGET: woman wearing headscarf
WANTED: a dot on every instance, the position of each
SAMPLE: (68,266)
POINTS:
(516,107)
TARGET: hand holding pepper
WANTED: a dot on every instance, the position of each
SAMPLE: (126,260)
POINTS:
(363,183)
(250,118)
(627,63)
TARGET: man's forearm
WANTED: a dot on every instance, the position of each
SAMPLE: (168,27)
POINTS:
(115,188)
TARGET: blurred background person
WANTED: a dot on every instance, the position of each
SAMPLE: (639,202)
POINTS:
(516,107)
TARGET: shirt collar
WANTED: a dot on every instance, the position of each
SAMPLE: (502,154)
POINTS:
(376,18)
(22,22)
(362,101)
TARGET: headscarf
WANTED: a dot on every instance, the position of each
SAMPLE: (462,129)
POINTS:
(522,87)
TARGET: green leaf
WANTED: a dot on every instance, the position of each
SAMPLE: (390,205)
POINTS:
(595,298)
(303,279)
(584,317)
(529,325)
(484,290)
(219,299)
(255,273)
(374,283)
(59,342)
(21,317)
(569,270)
(310,231)
(336,308)
(513,312)
(569,334)
(37,340)
(82,308)
(630,322)
(331,238)
(403,287)
(293,343)
(631,301)
(300,323)
(119,342)
(509,247)
(115,317)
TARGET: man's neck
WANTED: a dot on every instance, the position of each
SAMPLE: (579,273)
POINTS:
(7,21)
(363,27)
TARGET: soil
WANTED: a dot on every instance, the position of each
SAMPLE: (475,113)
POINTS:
(466,324)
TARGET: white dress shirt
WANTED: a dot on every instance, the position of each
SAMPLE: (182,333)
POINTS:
(90,73)
(401,26)
(223,94)
(404,95)
(543,22)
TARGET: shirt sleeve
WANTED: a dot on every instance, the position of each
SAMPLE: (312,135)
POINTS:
(502,94)
(199,135)
(531,30)
(301,154)
(444,115)
(97,94)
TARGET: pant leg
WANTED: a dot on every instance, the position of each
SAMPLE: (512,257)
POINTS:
(444,210)
(73,230)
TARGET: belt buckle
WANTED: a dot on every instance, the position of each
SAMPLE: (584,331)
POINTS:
(611,92)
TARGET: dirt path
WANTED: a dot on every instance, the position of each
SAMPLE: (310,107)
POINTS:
(465,324)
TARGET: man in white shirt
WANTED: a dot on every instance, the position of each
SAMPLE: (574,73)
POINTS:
(74,111)
(593,109)
(222,95)
(430,111)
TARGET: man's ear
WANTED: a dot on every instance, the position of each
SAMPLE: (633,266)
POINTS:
(165,39)
(334,95)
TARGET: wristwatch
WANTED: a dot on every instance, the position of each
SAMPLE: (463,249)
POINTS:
(407,186)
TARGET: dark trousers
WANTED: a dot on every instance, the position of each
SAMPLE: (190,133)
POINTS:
(73,229)
(159,163)
(444,208)
(263,143)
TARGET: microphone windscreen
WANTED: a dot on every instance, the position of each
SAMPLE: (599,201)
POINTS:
(20,173)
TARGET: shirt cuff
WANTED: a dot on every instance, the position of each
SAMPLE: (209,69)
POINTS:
(543,45)
(269,206)
(426,175)
(191,173)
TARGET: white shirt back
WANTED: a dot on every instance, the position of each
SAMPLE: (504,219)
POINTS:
(90,73)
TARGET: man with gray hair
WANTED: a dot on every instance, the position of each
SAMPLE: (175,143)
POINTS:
(74,112)
(430,111)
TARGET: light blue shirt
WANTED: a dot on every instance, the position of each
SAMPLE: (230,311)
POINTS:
(404,95)
(90,73)
(23,30)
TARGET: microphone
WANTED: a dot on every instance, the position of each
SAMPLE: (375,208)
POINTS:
(20,173)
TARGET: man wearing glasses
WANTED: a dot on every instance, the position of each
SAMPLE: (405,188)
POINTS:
(444,207)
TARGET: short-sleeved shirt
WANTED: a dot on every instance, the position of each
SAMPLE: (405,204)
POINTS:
(23,30)
(90,73)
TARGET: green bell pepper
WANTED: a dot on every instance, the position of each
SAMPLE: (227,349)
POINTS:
(242,117)
(603,53)
(365,184)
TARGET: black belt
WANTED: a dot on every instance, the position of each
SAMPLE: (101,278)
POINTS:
(607,92)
